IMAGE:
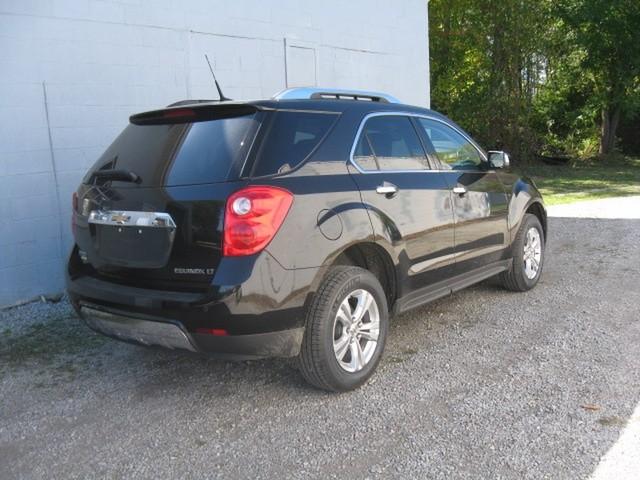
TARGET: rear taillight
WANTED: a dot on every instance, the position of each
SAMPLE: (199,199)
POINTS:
(252,217)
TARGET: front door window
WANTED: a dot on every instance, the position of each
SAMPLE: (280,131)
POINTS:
(453,150)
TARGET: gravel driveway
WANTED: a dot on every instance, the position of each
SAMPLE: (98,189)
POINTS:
(484,384)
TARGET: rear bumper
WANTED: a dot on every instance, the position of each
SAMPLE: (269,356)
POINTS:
(253,308)
(173,335)
(165,334)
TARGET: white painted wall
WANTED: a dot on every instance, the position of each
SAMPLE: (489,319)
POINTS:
(99,61)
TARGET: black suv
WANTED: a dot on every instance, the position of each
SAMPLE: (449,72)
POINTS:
(294,226)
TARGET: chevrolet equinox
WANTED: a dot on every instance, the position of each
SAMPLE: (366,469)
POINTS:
(293,227)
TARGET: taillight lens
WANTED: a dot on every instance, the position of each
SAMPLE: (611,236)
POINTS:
(253,216)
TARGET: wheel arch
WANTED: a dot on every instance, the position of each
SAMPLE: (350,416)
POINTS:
(372,257)
(536,208)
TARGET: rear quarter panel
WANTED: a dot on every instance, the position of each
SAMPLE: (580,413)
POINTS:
(327,214)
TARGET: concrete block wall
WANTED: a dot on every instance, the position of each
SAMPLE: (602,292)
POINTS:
(98,61)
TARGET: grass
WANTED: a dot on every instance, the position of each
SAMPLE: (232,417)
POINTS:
(613,177)
(59,345)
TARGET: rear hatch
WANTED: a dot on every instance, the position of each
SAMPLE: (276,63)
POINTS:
(150,211)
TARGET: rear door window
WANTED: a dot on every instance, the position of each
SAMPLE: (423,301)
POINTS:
(289,139)
(389,142)
(181,154)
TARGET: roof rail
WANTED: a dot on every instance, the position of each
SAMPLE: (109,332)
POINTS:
(305,93)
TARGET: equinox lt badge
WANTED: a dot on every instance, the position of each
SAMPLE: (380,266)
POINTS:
(193,271)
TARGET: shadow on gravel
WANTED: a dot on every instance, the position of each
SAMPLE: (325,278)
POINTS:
(57,347)
(159,370)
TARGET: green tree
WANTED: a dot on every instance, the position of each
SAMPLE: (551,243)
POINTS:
(537,77)
(487,63)
(607,35)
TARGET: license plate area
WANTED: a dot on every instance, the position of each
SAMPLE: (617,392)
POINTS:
(133,239)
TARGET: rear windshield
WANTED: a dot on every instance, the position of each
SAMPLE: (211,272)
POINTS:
(289,139)
(181,154)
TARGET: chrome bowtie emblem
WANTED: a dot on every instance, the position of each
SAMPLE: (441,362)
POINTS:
(120,218)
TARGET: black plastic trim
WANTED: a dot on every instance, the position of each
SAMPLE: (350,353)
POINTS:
(446,287)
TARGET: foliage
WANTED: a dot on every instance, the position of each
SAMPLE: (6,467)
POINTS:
(539,77)
(585,180)
(607,33)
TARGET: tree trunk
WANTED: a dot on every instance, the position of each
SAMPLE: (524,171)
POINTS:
(610,121)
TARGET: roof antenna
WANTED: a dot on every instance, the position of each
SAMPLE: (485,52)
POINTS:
(220,94)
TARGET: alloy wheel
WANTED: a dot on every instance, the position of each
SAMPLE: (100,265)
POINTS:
(532,253)
(356,329)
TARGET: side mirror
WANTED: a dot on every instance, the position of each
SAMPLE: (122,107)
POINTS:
(498,159)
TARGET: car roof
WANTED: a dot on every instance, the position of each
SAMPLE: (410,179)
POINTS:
(331,104)
(342,105)
(321,105)
(356,106)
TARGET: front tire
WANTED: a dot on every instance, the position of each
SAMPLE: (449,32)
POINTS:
(528,256)
(346,330)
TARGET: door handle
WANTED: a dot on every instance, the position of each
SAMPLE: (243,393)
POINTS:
(388,189)
(459,190)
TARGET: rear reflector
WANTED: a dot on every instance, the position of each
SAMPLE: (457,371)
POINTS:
(178,113)
(252,218)
(217,332)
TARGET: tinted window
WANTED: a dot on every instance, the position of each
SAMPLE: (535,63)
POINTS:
(179,154)
(453,150)
(290,138)
(390,143)
(209,151)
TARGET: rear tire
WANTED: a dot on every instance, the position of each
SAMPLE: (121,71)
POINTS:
(346,330)
(528,256)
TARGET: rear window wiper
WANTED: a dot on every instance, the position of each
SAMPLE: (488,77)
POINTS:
(114,175)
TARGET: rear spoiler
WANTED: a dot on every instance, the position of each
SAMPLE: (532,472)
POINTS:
(195,112)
